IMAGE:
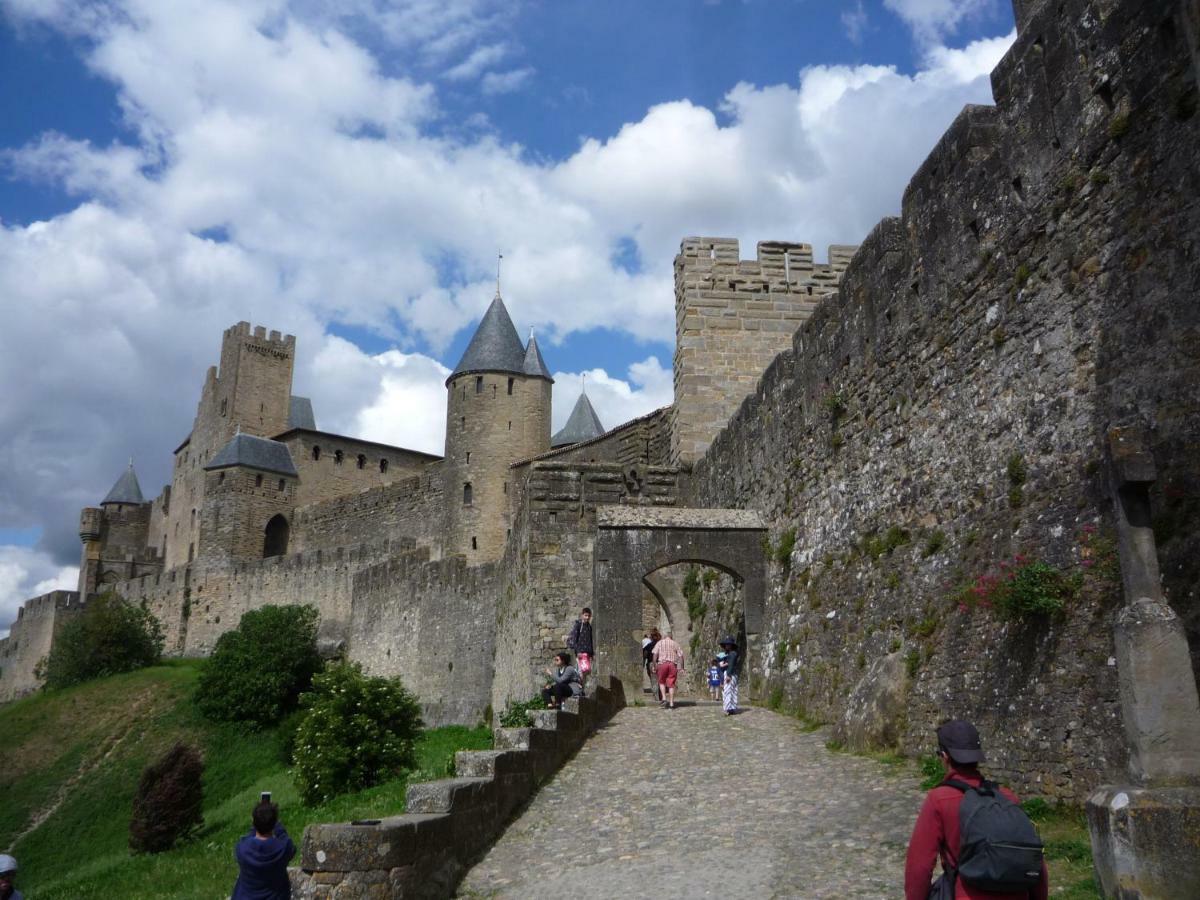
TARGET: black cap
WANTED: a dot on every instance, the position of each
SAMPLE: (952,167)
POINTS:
(726,642)
(961,740)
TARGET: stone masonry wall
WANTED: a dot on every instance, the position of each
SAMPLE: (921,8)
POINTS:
(731,319)
(548,568)
(346,466)
(943,416)
(433,625)
(29,640)
(410,508)
(238,504)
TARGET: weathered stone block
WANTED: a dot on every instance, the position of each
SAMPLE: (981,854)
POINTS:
(1146,842)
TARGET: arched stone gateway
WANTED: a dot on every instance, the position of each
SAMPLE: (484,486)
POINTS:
(633,541)
(275,537)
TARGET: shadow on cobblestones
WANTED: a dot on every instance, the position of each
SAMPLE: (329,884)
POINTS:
(691,803)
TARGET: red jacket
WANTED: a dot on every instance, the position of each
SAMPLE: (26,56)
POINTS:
(936,833)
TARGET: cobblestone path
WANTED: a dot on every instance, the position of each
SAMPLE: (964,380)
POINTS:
(691,803)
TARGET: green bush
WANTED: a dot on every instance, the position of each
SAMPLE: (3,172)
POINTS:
(258,671)
(168,805)
(108,637)
(516,714)
(357,731)
(1034,589)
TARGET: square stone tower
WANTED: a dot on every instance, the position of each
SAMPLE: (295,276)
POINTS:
(732,317)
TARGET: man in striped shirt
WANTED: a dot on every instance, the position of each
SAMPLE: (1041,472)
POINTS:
(668,659)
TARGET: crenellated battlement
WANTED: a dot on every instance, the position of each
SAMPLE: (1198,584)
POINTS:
(259,333)
(732,317)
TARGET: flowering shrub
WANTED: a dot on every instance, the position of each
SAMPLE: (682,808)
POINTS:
(1021,589)
(357,731)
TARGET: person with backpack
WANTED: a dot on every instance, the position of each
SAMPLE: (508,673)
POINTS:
(580,641)
(988,847)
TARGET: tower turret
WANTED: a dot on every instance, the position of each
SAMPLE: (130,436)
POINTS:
(582,425)
(498,411)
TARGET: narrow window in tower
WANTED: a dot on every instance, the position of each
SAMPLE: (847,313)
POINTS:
(467,494)
(506,487)
(338,456)
(474,546)
(258,481)
(383,465)
(220,478)
(468,457)
(316,452)
(463,422)
(510,385)
(193,518)
(224,406)
(479,384)
(510,426)
(282,484)
(493,392)
(362,461)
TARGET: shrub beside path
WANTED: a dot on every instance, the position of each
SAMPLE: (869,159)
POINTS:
(691,803)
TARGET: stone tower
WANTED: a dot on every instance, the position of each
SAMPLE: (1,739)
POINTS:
(114,537)
(498,411)
(251,393)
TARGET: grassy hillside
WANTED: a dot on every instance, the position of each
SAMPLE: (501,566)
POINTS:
(70,761)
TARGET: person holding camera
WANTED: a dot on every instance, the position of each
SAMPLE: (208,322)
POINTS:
(262,857)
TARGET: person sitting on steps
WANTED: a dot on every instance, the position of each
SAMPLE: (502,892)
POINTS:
(565,682)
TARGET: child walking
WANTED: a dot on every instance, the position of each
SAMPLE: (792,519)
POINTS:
(580,640)
(714,679)
(729,665)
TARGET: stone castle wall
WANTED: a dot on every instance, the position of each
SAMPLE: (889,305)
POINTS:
(410,508)
(333,466)
(433,624)
(29,640)
(944,414)
(548,569)
(732,317)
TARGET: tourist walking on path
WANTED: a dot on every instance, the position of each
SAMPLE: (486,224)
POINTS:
(8,872)
(730,665)
(668,660)
(1012,851)
(580,641)
(262,857)
(564,681)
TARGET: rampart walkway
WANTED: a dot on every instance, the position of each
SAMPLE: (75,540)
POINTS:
(690,803)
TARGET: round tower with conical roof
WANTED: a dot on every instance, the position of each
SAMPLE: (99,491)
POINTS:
(498,411)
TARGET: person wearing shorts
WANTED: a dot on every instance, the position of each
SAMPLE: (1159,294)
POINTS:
(668,659)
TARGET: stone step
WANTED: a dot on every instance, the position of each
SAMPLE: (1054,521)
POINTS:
(448,795)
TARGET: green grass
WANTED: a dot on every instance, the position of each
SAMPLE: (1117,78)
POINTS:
(112,728)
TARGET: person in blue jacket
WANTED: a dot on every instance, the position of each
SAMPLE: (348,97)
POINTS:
(262,857)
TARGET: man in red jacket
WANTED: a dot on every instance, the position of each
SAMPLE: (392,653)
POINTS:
(936,832)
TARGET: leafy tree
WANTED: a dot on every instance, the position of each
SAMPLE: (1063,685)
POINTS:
(169,801)
(107,637)
(258,671)
(357,731)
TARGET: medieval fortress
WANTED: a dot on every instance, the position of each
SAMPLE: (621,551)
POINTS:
(850,444)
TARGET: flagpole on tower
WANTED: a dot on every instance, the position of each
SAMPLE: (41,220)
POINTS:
(499,256)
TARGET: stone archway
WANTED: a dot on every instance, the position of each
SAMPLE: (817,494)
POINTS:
(275,537)
(633,541)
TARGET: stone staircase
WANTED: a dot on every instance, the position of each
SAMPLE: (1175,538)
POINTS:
(449,823)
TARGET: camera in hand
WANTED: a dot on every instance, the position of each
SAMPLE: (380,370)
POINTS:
(264,797)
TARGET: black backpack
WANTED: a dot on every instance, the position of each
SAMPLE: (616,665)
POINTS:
(999,849)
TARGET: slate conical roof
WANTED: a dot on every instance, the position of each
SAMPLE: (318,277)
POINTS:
(256,453)
(126,490)
(495,347)
(583,425)
(534,364)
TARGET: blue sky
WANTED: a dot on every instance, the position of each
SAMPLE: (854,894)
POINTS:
(347,171)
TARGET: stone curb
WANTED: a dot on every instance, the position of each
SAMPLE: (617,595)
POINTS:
(450,822)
